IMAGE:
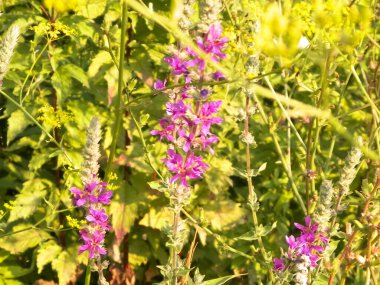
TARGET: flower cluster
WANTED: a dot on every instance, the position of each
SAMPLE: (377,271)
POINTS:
(93,196)
(189,114)
(308,246)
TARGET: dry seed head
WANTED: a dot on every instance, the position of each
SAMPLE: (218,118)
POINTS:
(301,271)
(209,14)
(349,170)
(91,153)
(323,213)
(7,46)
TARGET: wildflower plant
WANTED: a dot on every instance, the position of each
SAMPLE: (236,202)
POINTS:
(187,127)
(93,197)
(299,82)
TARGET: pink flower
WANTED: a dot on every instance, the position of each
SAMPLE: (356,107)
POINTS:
(167,130)
(159,85)
(99,218)
(93,243)
(206,118)
(213,43)
(278,264)
(192,167)
(176,110)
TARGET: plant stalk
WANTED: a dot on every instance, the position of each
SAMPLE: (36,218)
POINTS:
(252,198)
(119,98)
(88,275)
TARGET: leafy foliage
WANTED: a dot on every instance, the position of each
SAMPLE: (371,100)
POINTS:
(310,71)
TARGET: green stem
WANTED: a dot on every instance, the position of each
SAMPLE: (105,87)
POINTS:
(286,115)
(174,253)
(217,237)
(282,157)
(376,111)
(252,197)
(119,98)
(38,125)
(30,72)
(88,274)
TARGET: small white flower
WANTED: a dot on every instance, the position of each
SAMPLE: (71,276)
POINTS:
(303,42)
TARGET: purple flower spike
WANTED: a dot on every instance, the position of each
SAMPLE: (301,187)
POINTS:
(99,218)
(167,130)
(94,244)
(189,115)
(310,244)
(159,85)
(278,264)
(193,167)
(214,43)
(178,65)
(92,197)
(218,76)
(176,110)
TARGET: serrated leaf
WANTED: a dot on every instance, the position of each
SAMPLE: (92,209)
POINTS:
(156,219)
(65,265)
(17,123)
(47,252)
(218,176)
(21,241)
(38,160)
(28,200)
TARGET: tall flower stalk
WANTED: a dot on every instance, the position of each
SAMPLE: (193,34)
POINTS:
(186,128)
(92,198)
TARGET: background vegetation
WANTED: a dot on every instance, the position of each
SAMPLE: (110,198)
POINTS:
(310,70)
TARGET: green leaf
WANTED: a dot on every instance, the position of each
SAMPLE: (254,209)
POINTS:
(218,176)
(76,73)
(19,242)
(17,123)
(158,185)
(156,219)
(223,213)
(10,282)
(13,271)
(91,8)
(29,199)
(3,255)
(61,82)
(47,252)
(249,236)
(123,211)
(221,280)
(144,119)
(101,59)
(65,265)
